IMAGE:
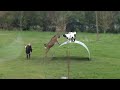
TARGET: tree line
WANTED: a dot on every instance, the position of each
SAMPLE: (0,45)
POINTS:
(83,21)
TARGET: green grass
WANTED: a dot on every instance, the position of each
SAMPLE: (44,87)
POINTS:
(104,64)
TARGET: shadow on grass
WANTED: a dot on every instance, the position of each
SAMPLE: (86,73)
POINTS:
(71,58)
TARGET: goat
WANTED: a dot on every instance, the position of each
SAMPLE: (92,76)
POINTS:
(51,43)
(28,50)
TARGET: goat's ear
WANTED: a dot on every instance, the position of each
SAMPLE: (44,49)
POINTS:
(64,35)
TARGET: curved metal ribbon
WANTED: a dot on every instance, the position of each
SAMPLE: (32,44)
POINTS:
(78,42)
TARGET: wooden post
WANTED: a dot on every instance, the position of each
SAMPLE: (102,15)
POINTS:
(97,24)
(44,59)
(68,63)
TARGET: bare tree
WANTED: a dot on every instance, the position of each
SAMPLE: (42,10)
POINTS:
(105,20)
(60,21)
(21,16)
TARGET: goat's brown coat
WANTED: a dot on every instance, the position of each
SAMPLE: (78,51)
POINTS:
(51,43)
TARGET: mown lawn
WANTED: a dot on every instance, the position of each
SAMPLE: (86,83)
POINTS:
(104,63)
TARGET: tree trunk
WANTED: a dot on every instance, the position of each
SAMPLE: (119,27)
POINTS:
(21,16)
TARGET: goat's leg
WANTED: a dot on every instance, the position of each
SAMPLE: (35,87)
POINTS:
(46,52)
(27,56)
(58,42)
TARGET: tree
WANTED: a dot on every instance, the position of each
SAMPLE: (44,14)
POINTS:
(105,20)
(61,20)
(21,16)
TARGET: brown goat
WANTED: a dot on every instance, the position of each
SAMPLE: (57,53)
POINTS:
(51,43)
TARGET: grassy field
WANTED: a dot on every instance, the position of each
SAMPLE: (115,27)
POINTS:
(104,63)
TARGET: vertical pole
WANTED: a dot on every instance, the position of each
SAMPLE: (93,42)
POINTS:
(97,24)
(68,63)
(44,59)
